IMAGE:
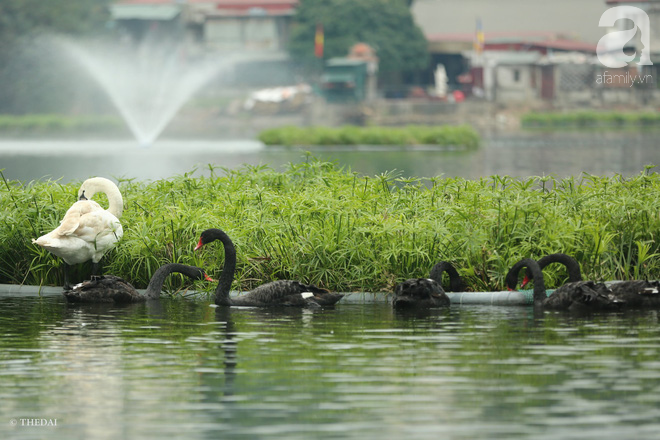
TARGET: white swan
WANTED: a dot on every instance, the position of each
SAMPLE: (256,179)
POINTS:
(87,231)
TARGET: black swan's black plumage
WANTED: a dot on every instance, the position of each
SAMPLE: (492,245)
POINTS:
(425,293)
(624,294)
(275,294)
(103,289)
(578,295)
(571,264)
(456,283)
(419,293)
(112,289)
(637,293)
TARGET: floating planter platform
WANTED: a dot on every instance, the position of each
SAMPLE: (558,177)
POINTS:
(503,298)
(25,290)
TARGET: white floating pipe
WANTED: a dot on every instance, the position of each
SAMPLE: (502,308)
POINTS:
(502,298)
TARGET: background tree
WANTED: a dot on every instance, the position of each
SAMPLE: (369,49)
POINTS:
(30,74)
(386,25)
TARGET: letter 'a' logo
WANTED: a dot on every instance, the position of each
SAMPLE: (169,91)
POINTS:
(610,47)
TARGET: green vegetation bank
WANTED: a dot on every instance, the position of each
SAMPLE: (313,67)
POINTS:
(347,232)
(460,135)
(590,120)
(53,125)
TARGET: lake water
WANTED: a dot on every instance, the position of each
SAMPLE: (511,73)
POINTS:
(181,369)
(522,154)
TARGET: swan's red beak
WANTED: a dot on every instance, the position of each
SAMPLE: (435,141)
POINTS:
(525,281)
(199,245)
(510,289)
(208,278)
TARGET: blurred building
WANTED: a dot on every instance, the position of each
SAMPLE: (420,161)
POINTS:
(216,27)
(451,26)
(261,25)
(507,51)
(534,51)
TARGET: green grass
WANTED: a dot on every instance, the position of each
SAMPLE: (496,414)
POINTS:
(53,124)
(448,135)
(590,120)
(322,224)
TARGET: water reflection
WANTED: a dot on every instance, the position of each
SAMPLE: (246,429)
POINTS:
(183,369)
(522,154)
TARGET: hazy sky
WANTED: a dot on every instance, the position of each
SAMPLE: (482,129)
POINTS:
(578,18)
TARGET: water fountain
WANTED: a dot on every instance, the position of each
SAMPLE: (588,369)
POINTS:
(148,83)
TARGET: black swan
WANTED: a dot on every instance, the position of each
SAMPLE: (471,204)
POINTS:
(274,294)
(425,293)
(419,293)
(571,264)
(110,288)
(87,231)
(456,283)
(628,294)
(578,295)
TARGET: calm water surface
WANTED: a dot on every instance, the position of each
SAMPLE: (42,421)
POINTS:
(181,369)
(522,154)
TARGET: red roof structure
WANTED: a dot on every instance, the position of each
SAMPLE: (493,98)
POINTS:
(616,2)
(269,5)
(237,3)
(515,41)
(544,46)
(255,7)
(167,9)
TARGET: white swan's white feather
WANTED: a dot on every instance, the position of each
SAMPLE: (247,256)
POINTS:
(87,231)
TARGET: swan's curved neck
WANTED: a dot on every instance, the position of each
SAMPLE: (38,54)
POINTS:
(227,276)
(156,283)
(106,186)
(572,266)
(455,282)
(539,285)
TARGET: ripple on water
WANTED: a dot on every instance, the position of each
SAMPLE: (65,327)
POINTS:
(355,372)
